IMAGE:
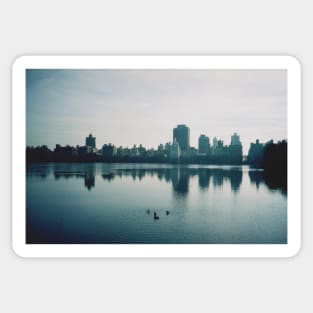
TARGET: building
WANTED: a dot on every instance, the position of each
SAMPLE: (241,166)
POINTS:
(255,154)
(84,150)
(191,153)
(109,151)
(203,144)
(64,152)
(215,141)
(181,134)
(235,139)
(134,151)
(174,152)
(142,150)
(91,141)
(161,148)
(151,153)
(120,151)
(235,150)
(220,152)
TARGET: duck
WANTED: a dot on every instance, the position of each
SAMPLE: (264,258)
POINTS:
(155,216)
(167,212)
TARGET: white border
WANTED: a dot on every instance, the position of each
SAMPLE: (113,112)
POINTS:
(156,62)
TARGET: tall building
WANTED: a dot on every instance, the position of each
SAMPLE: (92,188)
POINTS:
(91,141)
(215,143)
(109,151)
(235,139)
(235,150)
(174,151)
(182,135)
(203,144)
(255,154)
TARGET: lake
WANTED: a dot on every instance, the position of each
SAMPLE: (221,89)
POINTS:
(87,203)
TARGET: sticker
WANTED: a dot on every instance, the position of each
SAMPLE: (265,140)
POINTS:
(156,156)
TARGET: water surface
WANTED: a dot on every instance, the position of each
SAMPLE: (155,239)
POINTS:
(115,203)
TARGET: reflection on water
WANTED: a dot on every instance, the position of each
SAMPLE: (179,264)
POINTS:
(179,176)
(197,208)
(273,183)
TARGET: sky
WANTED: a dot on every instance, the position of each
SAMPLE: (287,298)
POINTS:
(127,107)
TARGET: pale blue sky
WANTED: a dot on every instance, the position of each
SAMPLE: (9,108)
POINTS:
(128,107)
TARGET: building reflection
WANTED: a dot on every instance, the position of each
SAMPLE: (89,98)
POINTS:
(204,179)
(179,176)
(235,180)
(76,171)
(180,180)
(256,178)
(90,177)
(219,177)
(108,176)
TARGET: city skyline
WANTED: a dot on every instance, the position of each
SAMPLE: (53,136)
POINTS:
(90,141)
(127,107)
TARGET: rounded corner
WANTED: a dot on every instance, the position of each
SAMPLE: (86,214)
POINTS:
(18,61)
(294,61)
(15,249)
(295,251)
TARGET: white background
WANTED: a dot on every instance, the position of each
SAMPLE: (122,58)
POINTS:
(163,27)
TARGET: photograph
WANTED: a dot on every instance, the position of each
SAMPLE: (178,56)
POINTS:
(156,156)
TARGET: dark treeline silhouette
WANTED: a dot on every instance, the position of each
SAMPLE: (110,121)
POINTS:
(39,154)
(64,154)
(272,158)
(275,165)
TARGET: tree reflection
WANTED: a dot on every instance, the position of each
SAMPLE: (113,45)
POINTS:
(273,182)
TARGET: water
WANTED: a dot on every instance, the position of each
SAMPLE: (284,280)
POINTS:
(109,203)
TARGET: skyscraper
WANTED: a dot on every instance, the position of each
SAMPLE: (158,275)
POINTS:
(203,144)
(91,141)
(174,152)
(235,140)
(235,150)
(255,154)
(182,135)
(215,143)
